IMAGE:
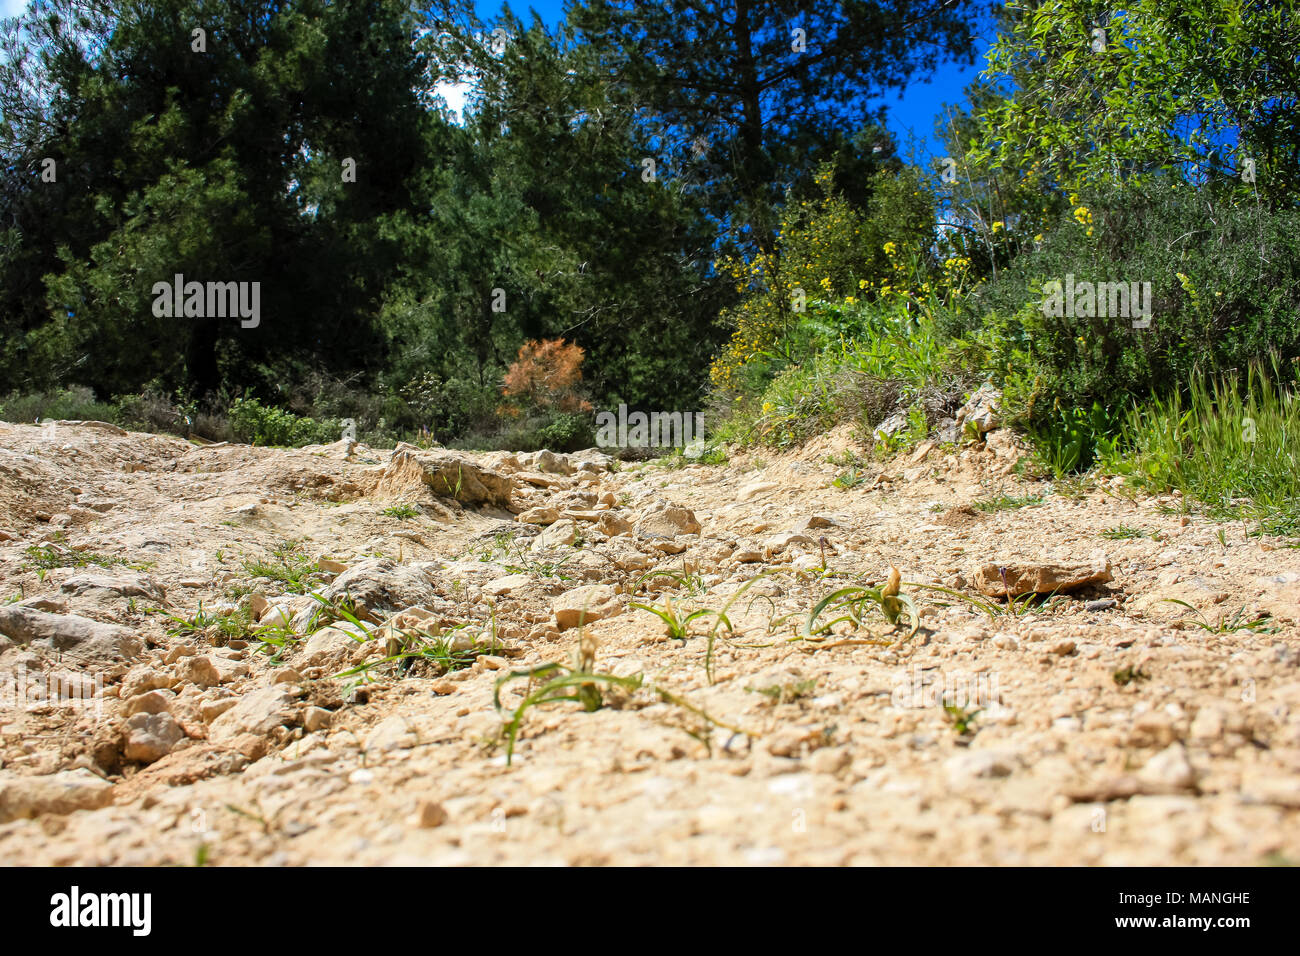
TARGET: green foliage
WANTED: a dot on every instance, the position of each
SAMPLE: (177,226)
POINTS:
(767,113)
(1066,443)
(961,718)
(786,693)
(77,403)
(1123,532)
(1128,674)
(1007,503)
(257,424)
(875,360)
(217,627)
(1147,88)
(1225,287)
(49,556)
(1231,444)
(288,565)
(828,257)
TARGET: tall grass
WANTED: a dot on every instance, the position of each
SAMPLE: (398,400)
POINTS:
(1229,444)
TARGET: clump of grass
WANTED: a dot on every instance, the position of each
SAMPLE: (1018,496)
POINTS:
(499,547)
(402,511)
(961,719)
(1006,502)
(850,479)
(46,557)
(274,640)
(850,604)
(220,629)
(692,582)
(287,564)
(1225,624)
(1230,444)
(438,650)
(786,693)
(1122,531)
(1127,675)
(677,622)
(506,550)
(846,459)
(1014,606)
(680,625)
(580,683)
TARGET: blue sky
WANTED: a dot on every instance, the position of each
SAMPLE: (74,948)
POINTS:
(912,115)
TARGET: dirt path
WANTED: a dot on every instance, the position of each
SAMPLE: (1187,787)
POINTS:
(1100,728)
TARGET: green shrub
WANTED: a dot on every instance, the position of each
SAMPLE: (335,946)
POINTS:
(563,431)
(866,362)
(259,424)
(76,403)
(828,251)
(1225,292)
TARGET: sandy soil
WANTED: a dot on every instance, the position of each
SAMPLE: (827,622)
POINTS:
(1102,727)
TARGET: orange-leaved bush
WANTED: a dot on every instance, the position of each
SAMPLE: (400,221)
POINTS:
(546,375)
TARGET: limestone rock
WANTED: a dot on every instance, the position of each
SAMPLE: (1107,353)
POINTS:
(447,474)
(329,647)
(971,765)
(561,533)
(378,585)
(25,798)
(981,410)
(68,632)
(151,702)
(151,737)
(199,671)
(124,586)
(258,712)
(1040,578)
(594,602)
(612,525)
(499,587)
(668,522)
(1169,770)
(541,515)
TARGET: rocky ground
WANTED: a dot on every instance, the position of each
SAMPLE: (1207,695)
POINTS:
(170,695)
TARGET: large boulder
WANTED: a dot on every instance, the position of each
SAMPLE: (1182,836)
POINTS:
(982,410)
(448,474)
(114,585)
(68,632)
(150,737)
(667,521)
